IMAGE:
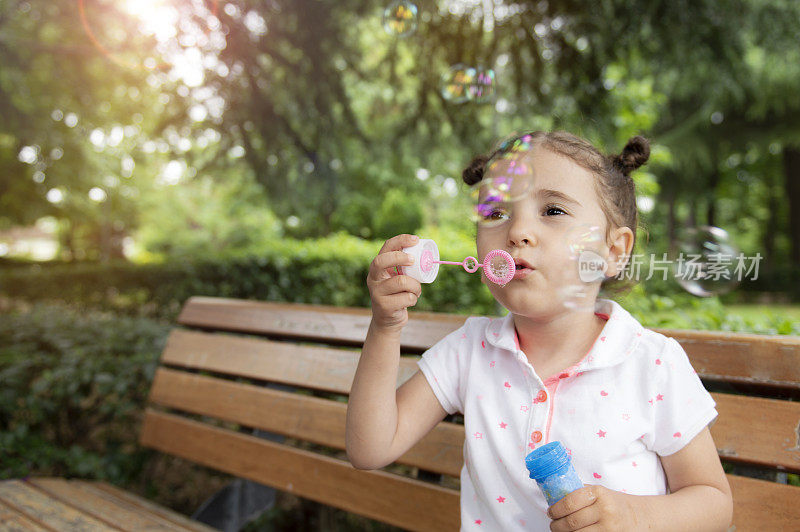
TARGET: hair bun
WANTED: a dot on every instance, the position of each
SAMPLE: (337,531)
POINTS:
(635,153)
(474,172)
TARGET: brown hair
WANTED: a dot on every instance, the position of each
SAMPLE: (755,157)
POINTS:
(614,185)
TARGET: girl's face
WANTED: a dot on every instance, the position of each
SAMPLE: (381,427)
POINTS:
(554,199)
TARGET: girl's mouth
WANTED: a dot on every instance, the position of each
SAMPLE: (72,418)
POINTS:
(522,270)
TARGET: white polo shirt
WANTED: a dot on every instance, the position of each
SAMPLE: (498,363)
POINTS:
(634,396)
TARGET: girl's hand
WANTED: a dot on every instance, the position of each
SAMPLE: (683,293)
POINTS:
(391,292)
(596,508)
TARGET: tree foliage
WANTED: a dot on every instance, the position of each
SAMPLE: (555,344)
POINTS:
(334,119)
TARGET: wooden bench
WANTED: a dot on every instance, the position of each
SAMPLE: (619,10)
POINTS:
(210,392)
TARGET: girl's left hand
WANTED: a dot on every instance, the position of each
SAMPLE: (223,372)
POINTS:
(595,508)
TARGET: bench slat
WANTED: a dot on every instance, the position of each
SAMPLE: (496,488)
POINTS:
(102,505)
(142,504)
(312,419)
(758,505)
(390,498)
(762,505)
(321,368)
(13,520)
(737,357)
(740,357)
(52,513)
(338,325)
(773,437)
(773,442)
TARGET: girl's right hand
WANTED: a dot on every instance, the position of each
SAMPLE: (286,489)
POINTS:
(391,292)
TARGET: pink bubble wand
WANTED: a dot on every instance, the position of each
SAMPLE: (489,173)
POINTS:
(498,265)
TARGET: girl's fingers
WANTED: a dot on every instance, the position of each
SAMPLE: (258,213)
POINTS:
(397,243)
(385,263)
(398,301)
(579,520)
(396,285)
(573,502)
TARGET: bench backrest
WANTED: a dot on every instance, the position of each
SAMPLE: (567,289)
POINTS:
(287,370)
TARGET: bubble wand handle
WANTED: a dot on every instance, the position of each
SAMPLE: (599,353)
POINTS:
(498,265)
(470,264)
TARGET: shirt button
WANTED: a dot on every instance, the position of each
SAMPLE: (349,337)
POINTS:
(541,397)
(536,436)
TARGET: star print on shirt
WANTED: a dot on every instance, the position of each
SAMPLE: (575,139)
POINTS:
(501,499)
(659,397)
(478,435)
(477,521)
(601,433)
(503,425)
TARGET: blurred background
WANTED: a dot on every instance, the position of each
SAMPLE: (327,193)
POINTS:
(151,150)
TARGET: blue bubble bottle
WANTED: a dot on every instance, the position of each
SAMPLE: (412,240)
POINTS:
(550,466)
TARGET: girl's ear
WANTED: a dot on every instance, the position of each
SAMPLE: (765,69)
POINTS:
(619,251)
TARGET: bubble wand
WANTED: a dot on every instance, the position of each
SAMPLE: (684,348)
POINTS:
(498,265)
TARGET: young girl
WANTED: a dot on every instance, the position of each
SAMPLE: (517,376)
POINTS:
(622,399)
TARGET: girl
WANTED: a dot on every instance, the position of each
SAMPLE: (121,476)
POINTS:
(623,400)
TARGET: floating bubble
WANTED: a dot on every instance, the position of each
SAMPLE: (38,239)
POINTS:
(508,178)
(584,238)
(482,88)
(493,197)
(579,297)
(462,83)
(456,83)
(706,261)
(400,18)
(585,267)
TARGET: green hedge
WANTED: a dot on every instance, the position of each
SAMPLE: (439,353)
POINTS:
(326,271)
(73,390)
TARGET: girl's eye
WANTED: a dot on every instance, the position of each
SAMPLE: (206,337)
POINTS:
(496,214)
(554,210)
(491,214)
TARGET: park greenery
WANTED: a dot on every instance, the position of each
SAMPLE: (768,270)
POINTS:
(200,128)
(265,149)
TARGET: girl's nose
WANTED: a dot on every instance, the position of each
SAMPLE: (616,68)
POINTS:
(522,233)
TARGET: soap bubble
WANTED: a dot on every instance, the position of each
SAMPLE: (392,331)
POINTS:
(482,88)
(493,197)
(578,297)
(456,83)
(508,178)
(583,238)
(400,18)
(462,83)
(514,146)
(705,261)
(586,266)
